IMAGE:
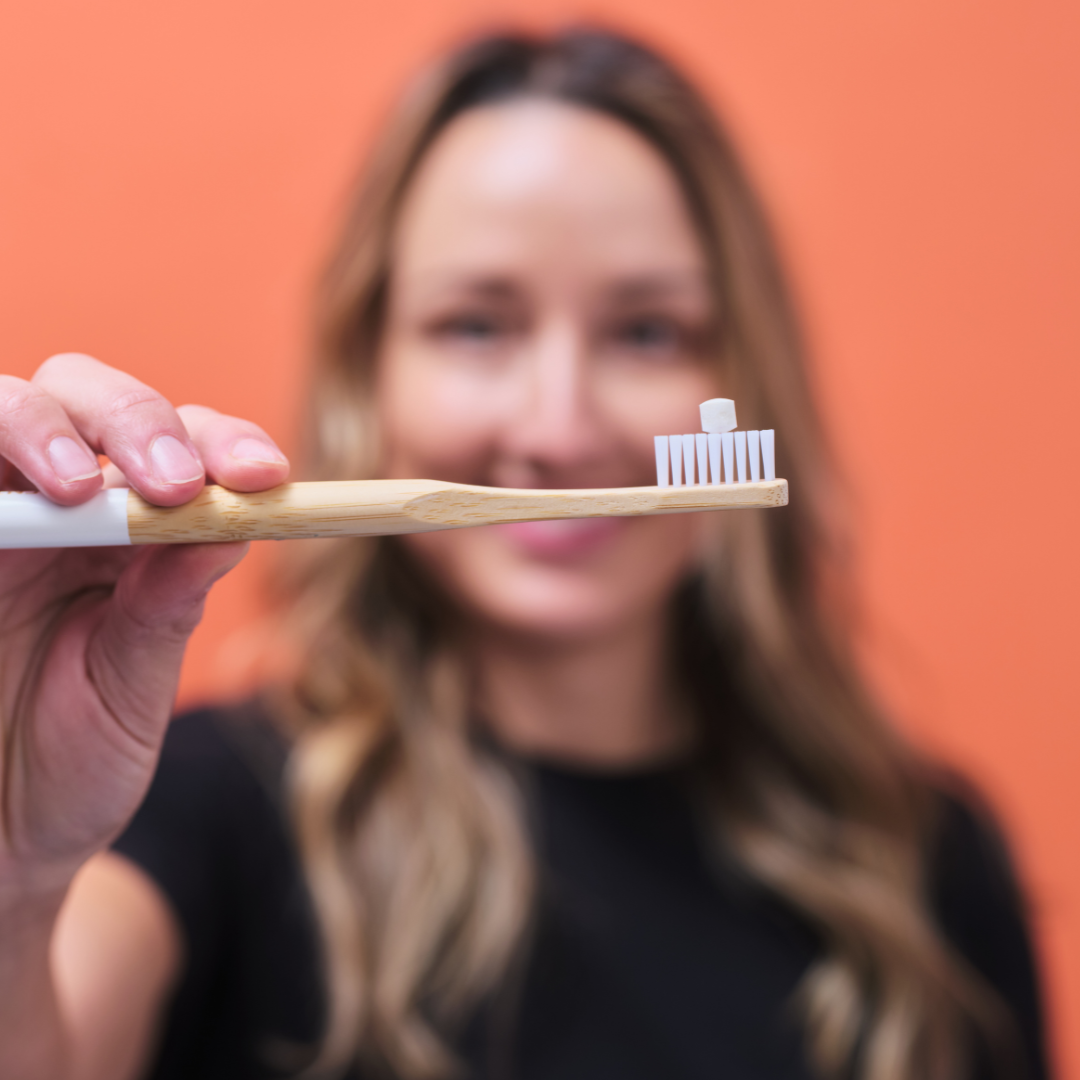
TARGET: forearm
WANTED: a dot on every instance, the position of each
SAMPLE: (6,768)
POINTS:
(34,1043)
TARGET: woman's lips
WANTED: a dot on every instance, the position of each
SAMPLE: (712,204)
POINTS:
(562,539)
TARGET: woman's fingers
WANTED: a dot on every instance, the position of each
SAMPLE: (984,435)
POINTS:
(117,415)
(39,440)
(237,453)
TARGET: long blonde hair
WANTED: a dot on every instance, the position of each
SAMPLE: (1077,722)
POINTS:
(411,832)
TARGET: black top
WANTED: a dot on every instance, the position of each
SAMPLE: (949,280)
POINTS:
(645,962)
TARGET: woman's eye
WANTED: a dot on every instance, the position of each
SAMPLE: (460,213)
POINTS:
(470,329)
(648,334)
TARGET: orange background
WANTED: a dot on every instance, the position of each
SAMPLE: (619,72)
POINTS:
(171,172)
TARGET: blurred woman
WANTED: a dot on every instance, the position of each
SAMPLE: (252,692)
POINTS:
(560,799)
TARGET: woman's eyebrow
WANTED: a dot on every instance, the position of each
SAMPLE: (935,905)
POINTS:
(678,284)
(480,286)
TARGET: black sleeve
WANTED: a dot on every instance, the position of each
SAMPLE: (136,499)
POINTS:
(982,912)
(211,834)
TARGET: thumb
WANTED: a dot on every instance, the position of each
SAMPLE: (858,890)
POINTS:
(134,656)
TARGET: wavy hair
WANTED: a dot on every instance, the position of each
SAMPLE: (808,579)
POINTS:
(412,833)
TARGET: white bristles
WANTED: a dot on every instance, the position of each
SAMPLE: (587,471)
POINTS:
(768,453)
(688,457)
(753,449)
(714,457)
(718,454)
(740,454)
(702,442)
(676,460)
(661,442)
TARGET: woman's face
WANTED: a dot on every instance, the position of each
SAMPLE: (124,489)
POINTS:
(549,313)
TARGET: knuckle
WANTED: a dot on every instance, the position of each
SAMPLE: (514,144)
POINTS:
(164,630)
(18,399)
(134,402)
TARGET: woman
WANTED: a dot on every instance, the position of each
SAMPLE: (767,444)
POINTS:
(562,799)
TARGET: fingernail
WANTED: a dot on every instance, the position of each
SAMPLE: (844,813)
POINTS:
(173,461)
(257,450)
(70,461)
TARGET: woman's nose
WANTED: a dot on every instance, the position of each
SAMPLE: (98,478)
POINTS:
(557,423)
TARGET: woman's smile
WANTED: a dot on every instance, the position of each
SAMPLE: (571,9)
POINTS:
(563,541)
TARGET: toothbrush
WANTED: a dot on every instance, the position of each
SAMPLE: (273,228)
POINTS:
(119,516)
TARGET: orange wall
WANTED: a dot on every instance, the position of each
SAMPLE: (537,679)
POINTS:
(170,172)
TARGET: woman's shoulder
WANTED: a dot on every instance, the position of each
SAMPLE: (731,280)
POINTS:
(218,760)
(213,738)
(228,741)
(214,807)
(972,873)
(981,907)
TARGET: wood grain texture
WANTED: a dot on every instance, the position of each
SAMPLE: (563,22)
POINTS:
(387,507)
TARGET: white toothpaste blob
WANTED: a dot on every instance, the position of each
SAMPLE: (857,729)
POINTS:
(718,415)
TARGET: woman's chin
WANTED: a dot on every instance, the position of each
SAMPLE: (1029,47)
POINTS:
(563,616)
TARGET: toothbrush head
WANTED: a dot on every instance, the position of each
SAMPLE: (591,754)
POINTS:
(723,455)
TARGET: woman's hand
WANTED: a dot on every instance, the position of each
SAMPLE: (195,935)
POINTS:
(91,639)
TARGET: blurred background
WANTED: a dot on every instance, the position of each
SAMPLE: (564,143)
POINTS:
(171,173)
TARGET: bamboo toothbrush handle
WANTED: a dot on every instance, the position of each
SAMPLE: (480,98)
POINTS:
(384,507)
(345,508)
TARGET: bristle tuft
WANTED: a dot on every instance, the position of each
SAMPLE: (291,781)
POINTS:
(753,440)
(661,442)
